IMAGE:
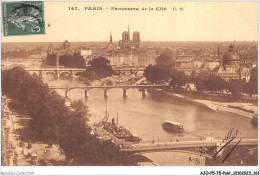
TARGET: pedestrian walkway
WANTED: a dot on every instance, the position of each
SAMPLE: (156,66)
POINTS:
(16,152)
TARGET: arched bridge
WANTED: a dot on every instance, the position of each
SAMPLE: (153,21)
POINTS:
(72,72)
(143,88)
(207,148)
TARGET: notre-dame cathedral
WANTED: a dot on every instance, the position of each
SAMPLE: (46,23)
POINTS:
(126,43)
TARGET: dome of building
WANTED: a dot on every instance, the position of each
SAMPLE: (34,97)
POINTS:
(66,44)
(231,55)
(231,59)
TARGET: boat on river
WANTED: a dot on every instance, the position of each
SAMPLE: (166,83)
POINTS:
(118,132)
(171,126)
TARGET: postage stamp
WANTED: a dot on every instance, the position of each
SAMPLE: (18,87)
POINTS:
(23,18)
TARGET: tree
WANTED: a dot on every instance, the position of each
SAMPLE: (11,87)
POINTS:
(221,84)
(192,77)
(235,87)
(155,73)
(212,83)
(80,109)
(167,52)
(72,61)
(52,121)
(252,86)
(160,71)
(178,79)
(98,68)
(164,61)
(200,83)
(215,83)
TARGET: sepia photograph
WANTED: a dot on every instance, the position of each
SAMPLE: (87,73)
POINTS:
(129,84)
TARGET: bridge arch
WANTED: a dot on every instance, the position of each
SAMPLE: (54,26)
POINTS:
(65,74)
(139,73)
(50,73)
(78,73)
(81,88)
(16,65)
(34,72)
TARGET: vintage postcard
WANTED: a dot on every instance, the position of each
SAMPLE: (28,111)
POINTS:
(129,84)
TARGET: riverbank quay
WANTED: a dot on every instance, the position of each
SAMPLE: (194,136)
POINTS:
(8,153)
(17,150)
(244,109)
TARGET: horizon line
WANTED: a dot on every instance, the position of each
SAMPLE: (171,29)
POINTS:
(141,41)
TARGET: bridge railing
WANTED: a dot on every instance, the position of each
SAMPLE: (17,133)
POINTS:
(174,139)
(198,146)
(108,87)
(54,69)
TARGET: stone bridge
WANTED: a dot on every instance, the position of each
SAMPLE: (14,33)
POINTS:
(207,148)
(73,72)
(142,88)
(57,72)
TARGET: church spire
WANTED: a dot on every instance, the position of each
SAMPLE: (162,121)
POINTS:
(128,34)
(50,48)
(111,40)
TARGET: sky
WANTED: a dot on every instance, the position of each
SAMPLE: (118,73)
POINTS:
(198,21)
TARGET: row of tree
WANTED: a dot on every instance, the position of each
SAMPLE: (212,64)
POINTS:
(162,71)
(216,84)
(51,121)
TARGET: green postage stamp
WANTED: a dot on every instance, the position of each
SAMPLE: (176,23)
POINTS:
(23,18)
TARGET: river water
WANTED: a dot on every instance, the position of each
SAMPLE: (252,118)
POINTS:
(144,116)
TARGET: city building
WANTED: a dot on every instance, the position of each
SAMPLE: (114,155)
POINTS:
(146,57)
(226,74)
(64,56)
(184,63)
(86,54)
(128,52)
(231,67)
(231,60)
(245,73)
(210,65)
(127,44)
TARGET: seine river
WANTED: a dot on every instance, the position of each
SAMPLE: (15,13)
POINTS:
(144,116)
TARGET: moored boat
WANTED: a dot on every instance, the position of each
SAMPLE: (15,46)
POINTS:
(118,132)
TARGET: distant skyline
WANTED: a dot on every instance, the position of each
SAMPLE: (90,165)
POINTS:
(115,42)
(199,21)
